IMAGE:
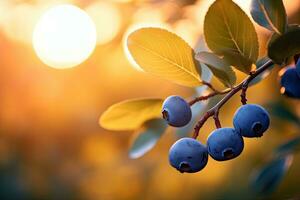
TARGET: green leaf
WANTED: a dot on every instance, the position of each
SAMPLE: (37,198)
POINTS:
(206,75)
(269,14)
(282,47)
(164,54)
(289,147)
(264,74)
(147,137)
(219,67)
(130,114)
(230,33)
(269,177)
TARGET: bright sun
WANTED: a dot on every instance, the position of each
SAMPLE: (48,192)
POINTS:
(64,36)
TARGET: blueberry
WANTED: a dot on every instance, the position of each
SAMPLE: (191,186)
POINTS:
(188,155)
(225,144)
(251,120)
(298,67)
(176,111)
(290,81)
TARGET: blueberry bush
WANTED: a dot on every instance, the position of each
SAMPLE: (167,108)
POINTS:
(232,46)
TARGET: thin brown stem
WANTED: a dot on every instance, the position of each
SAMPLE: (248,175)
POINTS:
(210,86)
(243,94)
(217,120)
(215,110)
(205,97)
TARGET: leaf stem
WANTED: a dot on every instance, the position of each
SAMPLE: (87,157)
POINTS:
(210,86)
(214,111)
(205,97)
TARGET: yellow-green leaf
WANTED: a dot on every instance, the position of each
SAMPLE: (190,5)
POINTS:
(230,33)
(130,114)
(164,54)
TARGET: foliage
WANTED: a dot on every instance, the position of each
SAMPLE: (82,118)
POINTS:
(270,14)
(233,44)
(147,137)
(130,114)
(163,53)
(229,32)
(289,41)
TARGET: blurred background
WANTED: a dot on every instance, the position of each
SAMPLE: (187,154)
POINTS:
(51,146)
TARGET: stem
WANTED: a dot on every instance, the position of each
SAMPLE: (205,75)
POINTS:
(214,111)
(209,85)
(244,90)
(217,120)
(205,97)
(243,94)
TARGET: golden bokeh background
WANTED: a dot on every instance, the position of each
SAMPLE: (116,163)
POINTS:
(51,146)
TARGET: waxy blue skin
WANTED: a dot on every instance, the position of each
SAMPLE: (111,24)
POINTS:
(251,120)
(290,82)
(188,155)
(225,144)
(176,111)
(298,67)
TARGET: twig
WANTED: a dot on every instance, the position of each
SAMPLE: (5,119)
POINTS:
(243,94)
(242,86)
(217,120)
(244,90)
(205,97)
(210,86)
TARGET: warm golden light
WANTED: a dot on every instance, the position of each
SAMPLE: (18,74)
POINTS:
(107,18)
(133,28)
(64,36)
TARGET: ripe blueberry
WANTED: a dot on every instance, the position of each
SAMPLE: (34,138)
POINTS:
(298,67)
(251,120)
(176,111)
(188,155)
(290,82)
(225,144)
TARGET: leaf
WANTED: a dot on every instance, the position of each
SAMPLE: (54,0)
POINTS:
(163,53)
(230,33)
(219,67)
(281,47)
(289,147)
(281,111)
(206,75)
(264,74)
(269,14)
(147,137)
(269,177)
(200,45)
(130,114)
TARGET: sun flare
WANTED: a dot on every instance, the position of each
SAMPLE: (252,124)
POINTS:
(64,36)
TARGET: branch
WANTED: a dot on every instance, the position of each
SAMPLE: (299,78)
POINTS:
(214,111)
(205,97)
(210,86)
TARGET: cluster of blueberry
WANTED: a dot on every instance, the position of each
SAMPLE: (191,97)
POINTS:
(189,155)
(290,80)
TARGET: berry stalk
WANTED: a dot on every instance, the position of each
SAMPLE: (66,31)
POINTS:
(229,93)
